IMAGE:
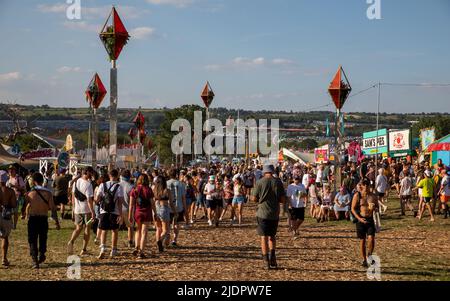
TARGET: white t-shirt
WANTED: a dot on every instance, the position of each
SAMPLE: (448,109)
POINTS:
(319,176)
(406,186)
(293,193)
(85,187)
(208,189)
(381,183)
(119,194)
(446,184)
(126,188)
(305,179)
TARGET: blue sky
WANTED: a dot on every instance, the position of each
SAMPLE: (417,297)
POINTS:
(257,54)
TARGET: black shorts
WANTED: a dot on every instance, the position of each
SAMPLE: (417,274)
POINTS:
(214,204)
(248,186)
(381,195)
(297,214)
(108,221)
(61,199)
(427,200)
(229,202)
(364,230)
(267,227)
(179,219)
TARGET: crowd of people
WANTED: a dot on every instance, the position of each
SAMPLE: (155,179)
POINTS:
(168,200)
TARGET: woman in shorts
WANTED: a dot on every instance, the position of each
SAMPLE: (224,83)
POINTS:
(313,199)
(163,204)
(228,197)
(326,204)
(239,198)
(141,211)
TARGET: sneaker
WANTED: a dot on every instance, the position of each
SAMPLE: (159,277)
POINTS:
(113,253)
(5,263)
(84,252)
(273,260)
(101,255)
(191,221)
(42,259)
(364,264)
(210,223)
(70,248)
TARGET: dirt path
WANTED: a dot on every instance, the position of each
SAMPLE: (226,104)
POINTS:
(408,250)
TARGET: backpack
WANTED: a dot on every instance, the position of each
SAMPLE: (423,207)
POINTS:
(108,203)
(141,201)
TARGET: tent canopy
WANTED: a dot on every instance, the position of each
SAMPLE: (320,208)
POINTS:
(442,144)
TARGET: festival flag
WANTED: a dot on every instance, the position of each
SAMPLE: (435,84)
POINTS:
(328,128)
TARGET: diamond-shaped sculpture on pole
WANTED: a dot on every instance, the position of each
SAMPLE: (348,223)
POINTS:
(207,95)
(139,121)
(95,92)
(114,35)
(340,88)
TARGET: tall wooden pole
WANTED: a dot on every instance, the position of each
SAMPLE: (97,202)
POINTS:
(94,139)
(113,116)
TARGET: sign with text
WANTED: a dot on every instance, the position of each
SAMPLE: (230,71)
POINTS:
(321,154)
(370,139)
(399,143)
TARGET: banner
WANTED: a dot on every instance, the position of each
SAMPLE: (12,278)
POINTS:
(370,146)
(399,143)
(427,137)
(321,154)
(42,153)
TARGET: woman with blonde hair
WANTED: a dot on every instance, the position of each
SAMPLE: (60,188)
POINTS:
(141,211)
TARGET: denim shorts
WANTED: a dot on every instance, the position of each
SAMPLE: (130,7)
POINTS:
(200,202)
(163,213)
(238,200)
(188,202)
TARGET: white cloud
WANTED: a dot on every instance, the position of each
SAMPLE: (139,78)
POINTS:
(176,3)
(52,8)
(82,25)
(10,76)
(66,69)
(142,33)
(283,62)
(247,63)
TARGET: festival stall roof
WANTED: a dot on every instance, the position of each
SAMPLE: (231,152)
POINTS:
(7,159)
(55,143)
(440,150)
(303,158)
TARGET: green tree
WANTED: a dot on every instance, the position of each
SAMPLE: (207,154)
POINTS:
(163,141)
(440,123)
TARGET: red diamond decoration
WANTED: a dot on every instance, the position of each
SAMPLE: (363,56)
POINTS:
(340,88)
(95,92)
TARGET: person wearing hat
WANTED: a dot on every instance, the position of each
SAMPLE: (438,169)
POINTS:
(297,196)
(7,204)
(269,193)
(17,183)
(427,185)
(209,191)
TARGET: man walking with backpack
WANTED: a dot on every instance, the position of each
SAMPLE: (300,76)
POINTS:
(110,197)
(83,209)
